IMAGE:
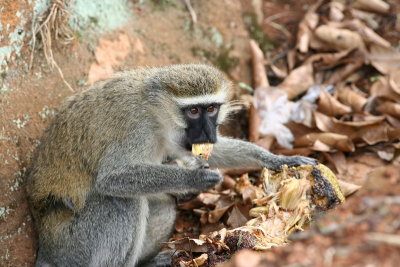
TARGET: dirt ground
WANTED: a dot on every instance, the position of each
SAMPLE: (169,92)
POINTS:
(161,33)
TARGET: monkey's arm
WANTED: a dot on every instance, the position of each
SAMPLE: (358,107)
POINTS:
(234,153)
(142,179)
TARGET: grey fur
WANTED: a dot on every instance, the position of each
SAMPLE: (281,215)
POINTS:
(233,153)
(99,191)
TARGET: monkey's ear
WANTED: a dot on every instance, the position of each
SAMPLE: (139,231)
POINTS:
(227,109)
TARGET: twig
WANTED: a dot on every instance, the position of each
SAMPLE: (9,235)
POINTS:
(280,15)
(280,28)
(191,11)
(260,80)
(257,58)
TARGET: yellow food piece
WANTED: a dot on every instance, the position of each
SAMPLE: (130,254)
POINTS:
(204,150)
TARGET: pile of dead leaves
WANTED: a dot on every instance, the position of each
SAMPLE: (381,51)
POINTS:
(339,86)
(259,214)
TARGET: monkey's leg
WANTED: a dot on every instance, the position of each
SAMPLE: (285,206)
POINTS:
(160,226)
(107,232)
(233,153)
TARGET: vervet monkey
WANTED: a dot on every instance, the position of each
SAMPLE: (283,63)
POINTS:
(99,191)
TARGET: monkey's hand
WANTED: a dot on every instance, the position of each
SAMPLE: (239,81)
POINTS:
(204,179)
(275,162)
(192,162)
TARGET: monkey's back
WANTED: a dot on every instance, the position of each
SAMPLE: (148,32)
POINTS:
(66,160)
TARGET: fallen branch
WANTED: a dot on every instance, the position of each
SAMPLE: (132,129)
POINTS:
(260,80)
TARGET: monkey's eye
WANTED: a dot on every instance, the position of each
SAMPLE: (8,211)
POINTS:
(212,110)
(193,113)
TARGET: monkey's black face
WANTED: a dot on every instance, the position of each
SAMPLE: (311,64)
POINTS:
(201,123)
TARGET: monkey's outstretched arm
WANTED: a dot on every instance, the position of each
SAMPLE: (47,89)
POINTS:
(144,179)
(233,153)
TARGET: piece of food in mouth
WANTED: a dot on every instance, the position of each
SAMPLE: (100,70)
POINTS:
(202,150)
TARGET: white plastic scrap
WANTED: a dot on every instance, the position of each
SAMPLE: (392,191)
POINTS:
(275,110)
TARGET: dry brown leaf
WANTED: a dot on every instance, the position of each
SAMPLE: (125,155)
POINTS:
(236,218)
(308,23)
(319,45)
(254,124)
(306,26)
(188,244)
(336,10)
(378,6)
(381,132)
(260,81)
(203,215)
(199,261)
(395,123)
(384,59)
(322,147)
(228,182)
(279,72)
(257,57)
(325,60)
(216,214)
(266,141)
(349,96)
(298,81)
(291,58)
(389,108)
(382,88)
(339,39)
(347,70)
(209,198)
(367,17)
(338,160)
(329,124)
(348,188)
(299,129)
(368,35)
(329,105)
(242,182)
(333,140)
(250,193)
(360,120)
(394,81)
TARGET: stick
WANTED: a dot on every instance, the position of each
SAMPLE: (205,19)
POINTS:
(260,80)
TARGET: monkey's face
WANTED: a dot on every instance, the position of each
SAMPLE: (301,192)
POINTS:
(201,121)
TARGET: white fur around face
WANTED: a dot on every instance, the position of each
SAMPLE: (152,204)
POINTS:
(219,97)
